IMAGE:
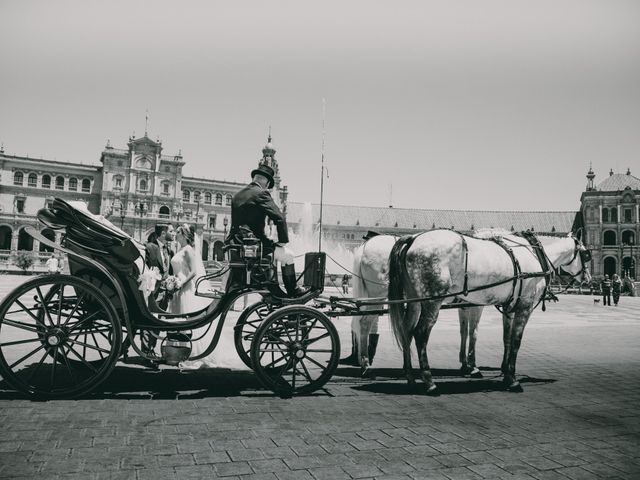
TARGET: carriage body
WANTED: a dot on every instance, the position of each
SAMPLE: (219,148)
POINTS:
(79,325)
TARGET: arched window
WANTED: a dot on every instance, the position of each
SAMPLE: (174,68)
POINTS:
(610,266)
(59,183)
(609,238)
(73,184)
(205,250)
(25,241)
(117,182)
(143,184)
(18,177)
(229,198)
(86,185)
(212,220)
(165,212)
(5,237)
(46,181)
(196,196)
(218,199)
(186,196)
(614,215)
(628,237)
(33,180)
(218,252)
(51,235)
(207,198)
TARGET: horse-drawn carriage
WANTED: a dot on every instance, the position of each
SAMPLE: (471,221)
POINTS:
(61,335)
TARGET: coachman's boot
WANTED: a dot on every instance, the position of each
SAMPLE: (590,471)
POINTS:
(373,346)
(290,281)
(353,358)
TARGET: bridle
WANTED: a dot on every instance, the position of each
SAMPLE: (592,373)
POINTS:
(585,256)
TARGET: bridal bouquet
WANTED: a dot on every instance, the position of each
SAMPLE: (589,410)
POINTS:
(171,284)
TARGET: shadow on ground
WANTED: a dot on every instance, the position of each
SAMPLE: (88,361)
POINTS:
(449,381)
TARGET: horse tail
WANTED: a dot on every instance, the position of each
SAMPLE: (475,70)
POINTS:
(398,311)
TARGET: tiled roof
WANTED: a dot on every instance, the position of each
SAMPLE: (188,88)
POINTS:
(404,218)
(619,181)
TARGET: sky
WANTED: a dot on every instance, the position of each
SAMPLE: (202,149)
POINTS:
(470,105)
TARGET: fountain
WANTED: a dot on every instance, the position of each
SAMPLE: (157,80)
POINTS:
(305,239)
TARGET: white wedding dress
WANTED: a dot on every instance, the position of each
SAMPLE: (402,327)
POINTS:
(185,300)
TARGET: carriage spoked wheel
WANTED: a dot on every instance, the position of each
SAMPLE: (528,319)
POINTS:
(59,337)
(246,326)
(295,350)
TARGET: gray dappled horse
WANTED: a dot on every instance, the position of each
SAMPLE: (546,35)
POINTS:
(370,281)
(441,266)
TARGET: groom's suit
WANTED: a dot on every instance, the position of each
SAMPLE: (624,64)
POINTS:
(159,255)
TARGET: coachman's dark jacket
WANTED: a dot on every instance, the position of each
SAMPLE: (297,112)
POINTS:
(249,207)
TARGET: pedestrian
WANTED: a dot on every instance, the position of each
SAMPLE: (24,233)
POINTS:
(52,264)
(616,288)
(606,290)
(345,284)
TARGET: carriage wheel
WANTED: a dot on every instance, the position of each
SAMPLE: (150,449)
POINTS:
(245,329)
(59,337)
(108,289)
(295,350)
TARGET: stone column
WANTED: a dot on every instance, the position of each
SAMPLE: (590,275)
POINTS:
(619,214)
(600,213)
(637,213)
(14,240)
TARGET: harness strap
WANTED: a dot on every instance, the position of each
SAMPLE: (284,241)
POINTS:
(465,286)
(547,269)
(516,276)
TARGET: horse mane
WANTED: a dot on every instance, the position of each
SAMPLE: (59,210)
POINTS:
(486,233)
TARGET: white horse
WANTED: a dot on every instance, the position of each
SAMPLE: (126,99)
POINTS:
(441,266)
(370,281)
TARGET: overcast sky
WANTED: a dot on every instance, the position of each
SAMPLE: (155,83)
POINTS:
(497,105)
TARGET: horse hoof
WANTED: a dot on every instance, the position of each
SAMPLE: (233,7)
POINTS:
(476,373)
(515,387)
(432,391)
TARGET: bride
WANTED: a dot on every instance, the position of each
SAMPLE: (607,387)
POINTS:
(188,267)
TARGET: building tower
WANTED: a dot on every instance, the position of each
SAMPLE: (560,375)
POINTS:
(269,159)
(590,177)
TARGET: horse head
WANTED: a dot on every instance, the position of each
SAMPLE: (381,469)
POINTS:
(577,267)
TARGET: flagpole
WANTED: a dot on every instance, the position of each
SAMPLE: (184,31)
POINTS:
(321,177)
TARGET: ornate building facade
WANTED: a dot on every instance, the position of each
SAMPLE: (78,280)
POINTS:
(140,186)
(610,214)
(136,188)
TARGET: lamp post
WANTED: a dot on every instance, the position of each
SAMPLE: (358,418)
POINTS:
(141,208)
(225,222)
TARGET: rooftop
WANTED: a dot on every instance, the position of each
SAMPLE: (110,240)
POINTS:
(618,182)
(405,218)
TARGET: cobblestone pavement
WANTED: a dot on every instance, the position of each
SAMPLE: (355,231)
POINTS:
(577,418)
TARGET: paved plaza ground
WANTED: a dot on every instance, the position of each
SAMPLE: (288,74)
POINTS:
(577,418)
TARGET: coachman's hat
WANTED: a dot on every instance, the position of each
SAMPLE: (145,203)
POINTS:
(266,171)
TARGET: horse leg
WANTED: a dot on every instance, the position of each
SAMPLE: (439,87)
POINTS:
(363,343)
(464,333)
(413,311)
(507,326)
(520,321)
(428,318)
(474,320)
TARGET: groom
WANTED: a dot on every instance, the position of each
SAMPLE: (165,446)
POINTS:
(158,254)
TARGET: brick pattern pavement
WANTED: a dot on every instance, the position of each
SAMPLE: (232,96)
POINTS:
(577,419)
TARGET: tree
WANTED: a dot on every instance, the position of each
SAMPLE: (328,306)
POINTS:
(24,260)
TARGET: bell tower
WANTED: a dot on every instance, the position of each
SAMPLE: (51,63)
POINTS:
(590,177)
(269,159)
